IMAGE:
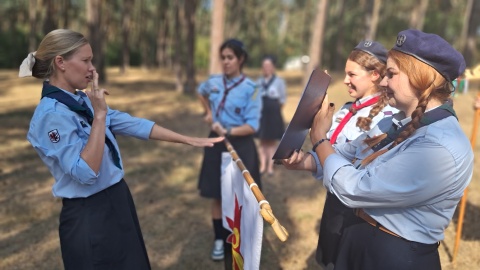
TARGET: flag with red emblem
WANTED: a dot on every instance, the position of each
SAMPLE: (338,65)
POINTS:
(241,216)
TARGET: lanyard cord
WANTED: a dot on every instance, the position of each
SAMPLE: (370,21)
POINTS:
(227,90)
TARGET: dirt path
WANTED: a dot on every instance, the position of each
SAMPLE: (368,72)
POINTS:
(163,178)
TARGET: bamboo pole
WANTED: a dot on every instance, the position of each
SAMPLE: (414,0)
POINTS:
(265,209)
(463,201)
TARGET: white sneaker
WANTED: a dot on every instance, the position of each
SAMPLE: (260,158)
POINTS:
(217,251)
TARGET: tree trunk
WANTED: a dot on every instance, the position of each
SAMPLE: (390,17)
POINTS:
(469,44)
(126,24)
(216,35)
(339,62)
(190,83)
(66,14)
(418,15)
(32,18)
(162,33)
(177,64)
(316,43)
(144,48)
(50,18)
(372,20)
(95,36)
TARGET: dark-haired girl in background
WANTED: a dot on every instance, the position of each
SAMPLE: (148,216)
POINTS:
(233,107)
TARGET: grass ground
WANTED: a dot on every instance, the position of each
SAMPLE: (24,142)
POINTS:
(163,178)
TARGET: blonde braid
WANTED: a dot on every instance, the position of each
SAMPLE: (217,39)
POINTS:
(365,122)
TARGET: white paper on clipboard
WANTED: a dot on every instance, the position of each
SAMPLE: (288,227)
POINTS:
(302,119)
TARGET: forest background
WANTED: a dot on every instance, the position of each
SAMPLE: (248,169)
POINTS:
(184,35)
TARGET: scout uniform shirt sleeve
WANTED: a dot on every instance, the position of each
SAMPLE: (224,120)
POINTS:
(59,138)
(282,90)
(122,123)
(253,109)
(416,171)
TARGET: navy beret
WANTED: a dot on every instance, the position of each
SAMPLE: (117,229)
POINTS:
(373,48)
(433,50)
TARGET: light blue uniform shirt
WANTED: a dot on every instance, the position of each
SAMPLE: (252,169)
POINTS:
(59,136)
(414,188)
(242,106)
(276,90)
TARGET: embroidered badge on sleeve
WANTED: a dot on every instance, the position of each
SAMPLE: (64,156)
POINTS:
(54,136)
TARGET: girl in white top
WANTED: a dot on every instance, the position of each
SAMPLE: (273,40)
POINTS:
(364,71)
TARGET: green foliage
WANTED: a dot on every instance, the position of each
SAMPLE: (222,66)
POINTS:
(202,52)
(13,48)
(281,28)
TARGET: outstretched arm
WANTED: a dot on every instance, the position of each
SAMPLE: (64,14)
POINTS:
(163,134)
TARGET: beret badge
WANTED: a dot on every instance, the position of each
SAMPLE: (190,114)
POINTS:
(367,43)
(400,40)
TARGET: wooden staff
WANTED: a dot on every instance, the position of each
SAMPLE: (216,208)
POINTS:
(463,201)
(265,209)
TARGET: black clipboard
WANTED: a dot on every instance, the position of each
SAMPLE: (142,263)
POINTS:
(302,119)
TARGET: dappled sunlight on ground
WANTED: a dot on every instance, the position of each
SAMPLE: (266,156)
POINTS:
(162,177)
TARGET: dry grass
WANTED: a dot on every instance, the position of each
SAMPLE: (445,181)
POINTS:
(163,178)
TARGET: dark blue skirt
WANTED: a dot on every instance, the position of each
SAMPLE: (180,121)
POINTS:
(209,181)
(102,231)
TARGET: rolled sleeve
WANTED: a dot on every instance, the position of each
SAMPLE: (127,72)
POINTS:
(254,110)
(84,174)
(203,88)
(62,156)
(318,174)
(123,123)
(332,164)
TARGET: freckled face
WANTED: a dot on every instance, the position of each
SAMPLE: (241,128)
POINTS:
(400,93)
(360,82)
(230,63)
(78,68)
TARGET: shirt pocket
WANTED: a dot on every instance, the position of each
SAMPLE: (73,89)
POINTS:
(84,128)
(236,102)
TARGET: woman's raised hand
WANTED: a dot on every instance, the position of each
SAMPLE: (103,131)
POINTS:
(97,97)
(322,121)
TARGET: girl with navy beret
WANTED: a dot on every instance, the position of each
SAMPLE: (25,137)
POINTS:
(405,177)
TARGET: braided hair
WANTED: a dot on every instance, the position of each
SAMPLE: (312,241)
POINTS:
(371,64)
(426,83)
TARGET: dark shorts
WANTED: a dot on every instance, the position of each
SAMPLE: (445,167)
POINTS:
(209,180)
(102,231)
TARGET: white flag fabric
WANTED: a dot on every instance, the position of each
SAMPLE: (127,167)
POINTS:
(241,216)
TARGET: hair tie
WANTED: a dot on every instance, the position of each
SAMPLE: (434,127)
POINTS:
(27,65)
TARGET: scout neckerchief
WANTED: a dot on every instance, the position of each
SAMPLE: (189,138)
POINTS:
(428,118)
(266,85)
(82,109)
(352,111)
(225,93)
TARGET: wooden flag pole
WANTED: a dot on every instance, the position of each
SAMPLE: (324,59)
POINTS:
(463,201)
(265,209)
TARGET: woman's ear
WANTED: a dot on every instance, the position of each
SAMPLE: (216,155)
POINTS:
(241,59)
(375,76)
(59,62)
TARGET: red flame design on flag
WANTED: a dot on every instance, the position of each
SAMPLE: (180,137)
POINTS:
(234,237)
